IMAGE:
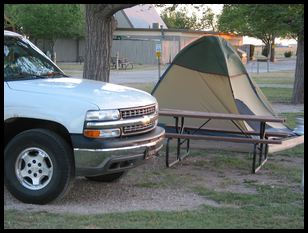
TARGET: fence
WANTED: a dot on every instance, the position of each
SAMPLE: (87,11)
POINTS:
(136,51)
(143,51)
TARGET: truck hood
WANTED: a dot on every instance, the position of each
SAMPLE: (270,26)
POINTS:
(104,95)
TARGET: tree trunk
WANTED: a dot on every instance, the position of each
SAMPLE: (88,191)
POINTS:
(272,58)
(100,25)
(298,88)
(99,31)
(53,52)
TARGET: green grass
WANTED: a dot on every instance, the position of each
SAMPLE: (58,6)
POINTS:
(278,95)
(297,151)
(71,66)
(291,174)
(223,159)
(291,118)
(266,195)
(270,208)
(283,77)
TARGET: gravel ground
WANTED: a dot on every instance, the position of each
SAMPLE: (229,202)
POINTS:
(89,197)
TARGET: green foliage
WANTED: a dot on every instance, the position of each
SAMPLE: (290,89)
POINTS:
(47,21)
(208,20)
(179,20)
(294,20)
(265,51)
(263,21)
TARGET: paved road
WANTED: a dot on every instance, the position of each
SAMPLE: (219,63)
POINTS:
(151,76)
(139,76)
(279,65)
(120,77)
(280,108)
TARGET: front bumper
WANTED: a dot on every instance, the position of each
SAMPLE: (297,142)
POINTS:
(94,157)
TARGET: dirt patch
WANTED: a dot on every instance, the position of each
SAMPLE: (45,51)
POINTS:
(89,198)
(128,194)
(152,186)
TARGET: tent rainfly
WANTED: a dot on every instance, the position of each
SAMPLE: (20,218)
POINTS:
(209,76)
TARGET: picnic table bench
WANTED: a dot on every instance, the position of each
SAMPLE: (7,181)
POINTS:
(261,139)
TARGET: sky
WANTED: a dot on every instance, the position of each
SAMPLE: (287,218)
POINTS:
(217,8)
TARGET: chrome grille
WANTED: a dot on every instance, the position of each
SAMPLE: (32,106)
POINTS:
(133,129)
(138,128)
(135,112)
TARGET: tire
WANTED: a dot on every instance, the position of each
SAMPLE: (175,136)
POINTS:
(38,166)
(107,178)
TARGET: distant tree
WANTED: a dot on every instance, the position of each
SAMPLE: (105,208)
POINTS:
(47,21)
(208,20)
(179,19)
(176,17)
(262,21)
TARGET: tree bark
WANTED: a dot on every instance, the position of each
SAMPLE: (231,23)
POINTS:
(53,52)
(272,58)
(98,44)
(298,88)
(100,25)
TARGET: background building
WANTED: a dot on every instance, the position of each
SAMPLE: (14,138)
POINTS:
(138,31)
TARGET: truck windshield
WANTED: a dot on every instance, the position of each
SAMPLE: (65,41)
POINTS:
(22,62)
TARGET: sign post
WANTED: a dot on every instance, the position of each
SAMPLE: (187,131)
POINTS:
(158,55)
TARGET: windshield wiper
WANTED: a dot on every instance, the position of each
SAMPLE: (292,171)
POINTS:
(52,74)
(25,75)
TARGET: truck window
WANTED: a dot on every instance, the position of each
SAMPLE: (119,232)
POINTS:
(23,62)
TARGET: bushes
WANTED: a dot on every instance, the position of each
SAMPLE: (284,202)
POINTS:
(265,51)
(287,53)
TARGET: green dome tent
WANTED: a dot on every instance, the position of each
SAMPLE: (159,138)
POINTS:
(209,76)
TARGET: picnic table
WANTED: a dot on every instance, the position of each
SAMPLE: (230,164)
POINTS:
(260,139)
(123,63)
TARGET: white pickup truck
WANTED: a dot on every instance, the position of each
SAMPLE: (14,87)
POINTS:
(57,127)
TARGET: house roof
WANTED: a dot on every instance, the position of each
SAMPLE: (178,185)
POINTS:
(143,16)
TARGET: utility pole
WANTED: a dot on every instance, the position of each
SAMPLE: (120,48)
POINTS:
(158,55)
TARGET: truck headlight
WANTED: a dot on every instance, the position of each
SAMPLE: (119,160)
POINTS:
(103,115)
